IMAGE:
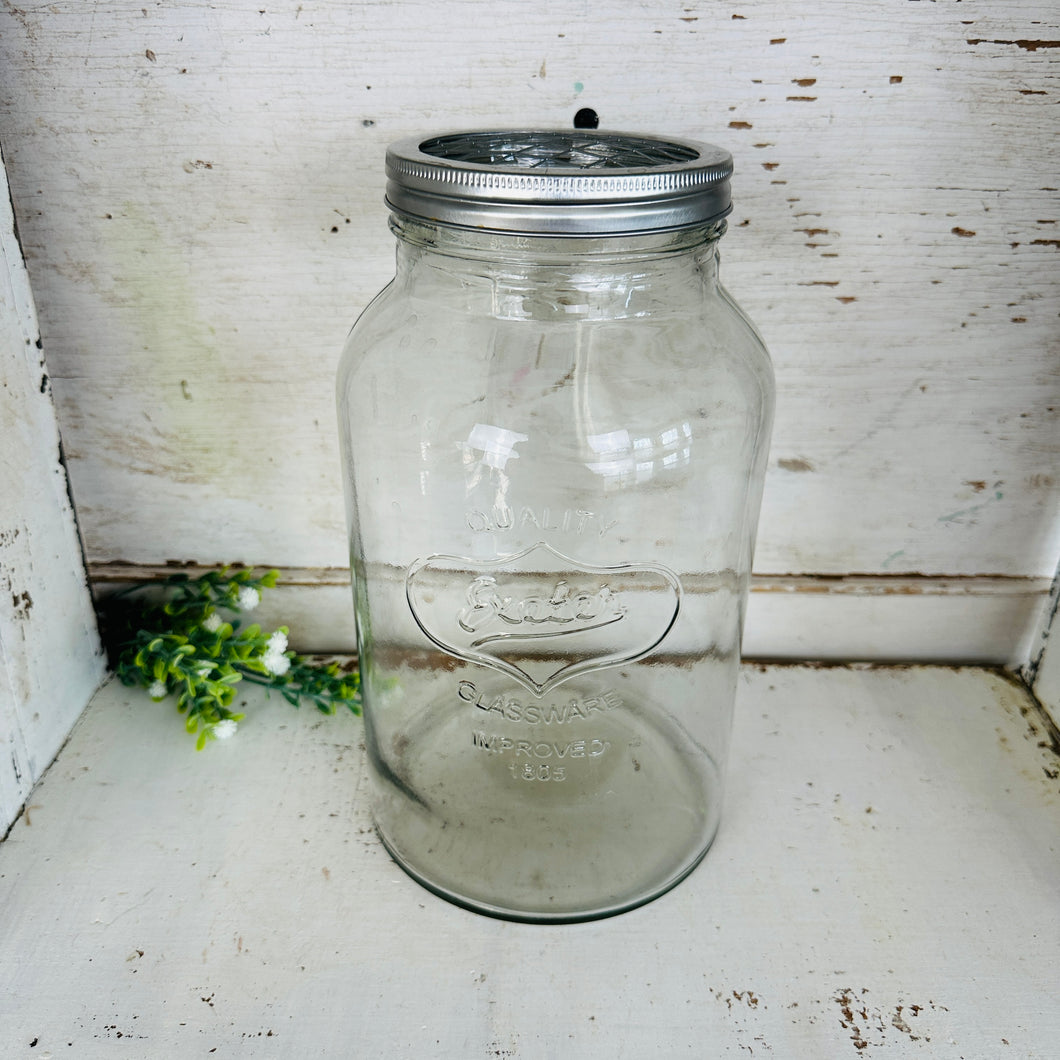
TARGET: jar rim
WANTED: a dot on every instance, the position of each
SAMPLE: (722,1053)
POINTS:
(560,183)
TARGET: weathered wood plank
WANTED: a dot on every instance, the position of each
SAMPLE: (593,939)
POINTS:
(883,884)
(50,659)
(200,187)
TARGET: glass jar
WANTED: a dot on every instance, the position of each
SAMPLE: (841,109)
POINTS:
(554,427)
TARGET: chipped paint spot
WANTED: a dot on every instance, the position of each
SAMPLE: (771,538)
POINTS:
(964,233)
(22,604)
(1026,45)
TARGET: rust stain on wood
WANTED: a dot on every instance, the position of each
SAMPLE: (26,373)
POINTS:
(770,165)
(778,40)
(846,299)
(1045,242)
(896,79)
(818,283)
(965,233)
(740,125)
(801,99)
(804,82)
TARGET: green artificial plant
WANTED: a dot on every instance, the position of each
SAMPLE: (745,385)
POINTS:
(181,637)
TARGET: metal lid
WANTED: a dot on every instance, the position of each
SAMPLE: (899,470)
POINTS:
(564,183)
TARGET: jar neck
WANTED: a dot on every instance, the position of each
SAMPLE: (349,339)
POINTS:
(547,276)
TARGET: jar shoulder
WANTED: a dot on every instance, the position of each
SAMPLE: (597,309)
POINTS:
(399,335)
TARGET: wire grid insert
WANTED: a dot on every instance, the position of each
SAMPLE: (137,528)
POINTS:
(559,150)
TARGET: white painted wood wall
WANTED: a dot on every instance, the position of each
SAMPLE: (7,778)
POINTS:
(50,658)
(199,185)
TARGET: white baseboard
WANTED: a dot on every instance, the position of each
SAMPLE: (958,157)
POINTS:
(980,620)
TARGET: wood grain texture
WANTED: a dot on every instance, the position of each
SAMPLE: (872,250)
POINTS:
(883,885)
(199,186)
(50,659)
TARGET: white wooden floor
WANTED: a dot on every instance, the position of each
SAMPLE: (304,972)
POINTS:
(885,883)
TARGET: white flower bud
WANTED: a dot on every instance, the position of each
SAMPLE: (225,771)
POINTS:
(276,663)
(248,598)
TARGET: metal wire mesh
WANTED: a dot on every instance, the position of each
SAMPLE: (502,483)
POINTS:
(578,150)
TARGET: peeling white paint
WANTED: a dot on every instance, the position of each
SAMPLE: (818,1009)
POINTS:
(50,659)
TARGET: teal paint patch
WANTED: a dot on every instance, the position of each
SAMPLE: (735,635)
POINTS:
(893,556)
(958,516)
(578,87)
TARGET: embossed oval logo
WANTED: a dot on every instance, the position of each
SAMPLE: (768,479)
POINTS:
(542,617)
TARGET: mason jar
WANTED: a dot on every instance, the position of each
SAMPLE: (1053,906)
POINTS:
(554,426)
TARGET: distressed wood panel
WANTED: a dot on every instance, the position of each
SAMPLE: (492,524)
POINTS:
(884,884)
(200,183)
(50,659)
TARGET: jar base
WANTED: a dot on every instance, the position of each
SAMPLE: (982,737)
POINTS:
(546,829)
(526,916)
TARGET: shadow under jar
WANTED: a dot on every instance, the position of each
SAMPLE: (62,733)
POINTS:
(554,426)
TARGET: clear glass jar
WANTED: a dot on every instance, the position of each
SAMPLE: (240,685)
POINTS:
(553,446)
